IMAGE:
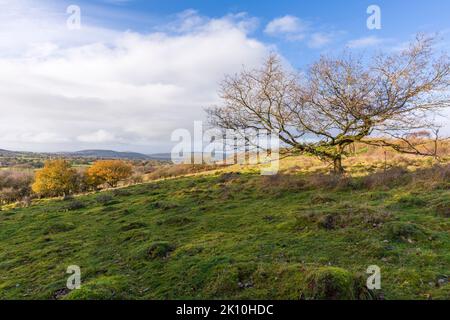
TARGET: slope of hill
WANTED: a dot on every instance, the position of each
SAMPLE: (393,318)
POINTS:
(9,153)
(107,154)
(237,235)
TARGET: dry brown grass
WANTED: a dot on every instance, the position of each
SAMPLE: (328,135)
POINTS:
(430,178)
(171,171)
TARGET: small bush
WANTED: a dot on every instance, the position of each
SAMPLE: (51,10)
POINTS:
(160,249)
(14,185)
(436,177)
(135,178)
(57,178)
(121,193)
(74,205)
(391,177)
(104,199)
(108,172)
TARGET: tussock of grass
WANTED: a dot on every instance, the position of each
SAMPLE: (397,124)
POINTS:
(404,231)
(159,249)
(104,199)
(58,228)
(74,205)
(332,283)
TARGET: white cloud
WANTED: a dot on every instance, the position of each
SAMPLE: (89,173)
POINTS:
(191,21)
(365,42)
(292,28)
(97,137)
(288,26)
(66,90)
(319,39)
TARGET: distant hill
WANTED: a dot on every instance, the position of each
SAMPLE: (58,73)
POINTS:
(109,154)
(5,153)
(160,156)
(100,154)
(94,153)
(9,153)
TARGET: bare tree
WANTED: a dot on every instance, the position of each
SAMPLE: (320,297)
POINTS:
(383,101)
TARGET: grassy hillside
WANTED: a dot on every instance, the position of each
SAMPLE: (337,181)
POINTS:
(237,235)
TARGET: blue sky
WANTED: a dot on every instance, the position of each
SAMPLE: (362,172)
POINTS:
(343,20)
(137,70)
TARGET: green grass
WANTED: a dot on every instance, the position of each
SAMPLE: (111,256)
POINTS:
(210,237)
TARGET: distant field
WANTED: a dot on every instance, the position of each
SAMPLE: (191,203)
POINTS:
(238,235)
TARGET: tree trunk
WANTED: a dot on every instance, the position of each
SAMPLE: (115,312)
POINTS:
(338,168)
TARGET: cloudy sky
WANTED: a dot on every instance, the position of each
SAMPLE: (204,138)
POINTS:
(137,70)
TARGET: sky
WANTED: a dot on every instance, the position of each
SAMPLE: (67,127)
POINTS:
(135,71)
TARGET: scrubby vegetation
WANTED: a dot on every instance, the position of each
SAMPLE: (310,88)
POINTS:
(65,177)
(302,234)
(15,186)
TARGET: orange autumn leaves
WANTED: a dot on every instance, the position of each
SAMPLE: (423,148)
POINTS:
(108,172)
(59,178)
(56,178)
